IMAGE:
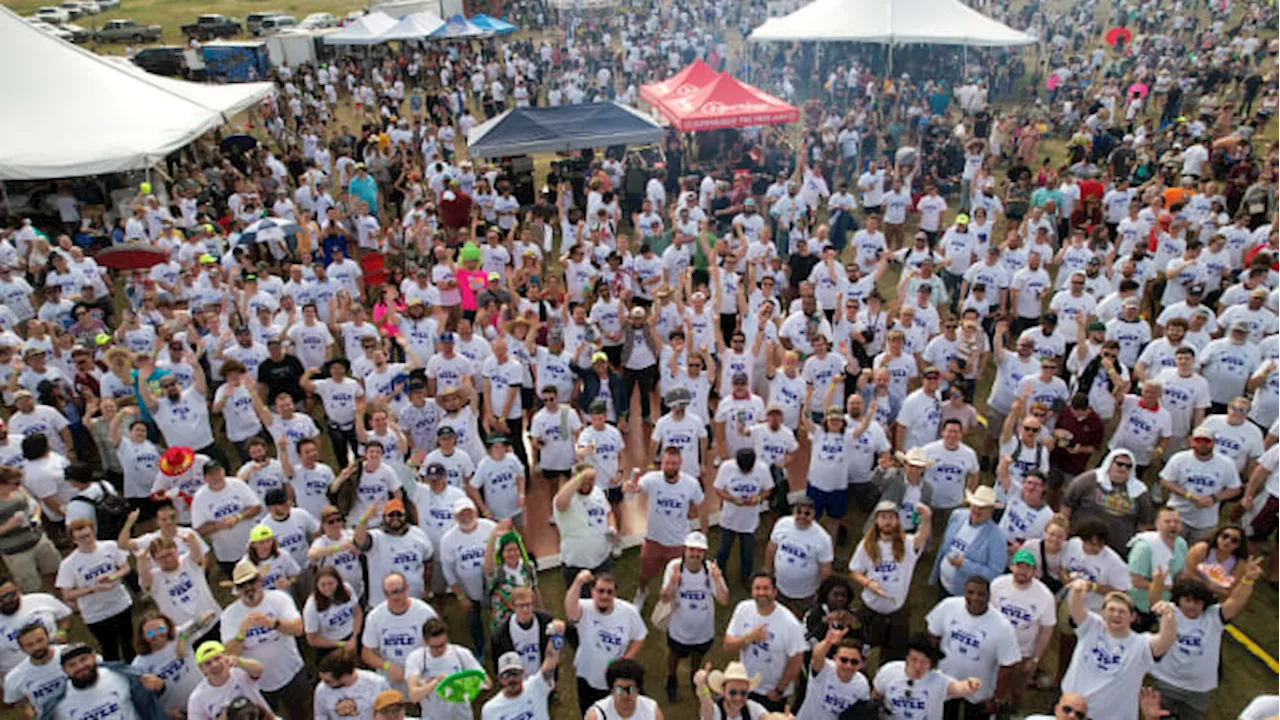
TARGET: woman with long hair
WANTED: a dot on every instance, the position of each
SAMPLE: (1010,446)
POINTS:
(1219,560)
(165,650)
(507,566)
(882,566)
(831,605)
(332,617)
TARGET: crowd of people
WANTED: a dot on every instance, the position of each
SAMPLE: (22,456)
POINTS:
(260,472)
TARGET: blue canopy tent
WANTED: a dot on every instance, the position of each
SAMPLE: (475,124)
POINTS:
(458,27)
(524,131)
(497,26)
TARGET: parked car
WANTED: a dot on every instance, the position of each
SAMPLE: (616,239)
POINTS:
(108,4)
(53,14)
(73,9)
(166,60)
(253,21)
(126,31)
(273,25)
(78,33)
(315,21)
(54,30)
(90,7)
(207,27)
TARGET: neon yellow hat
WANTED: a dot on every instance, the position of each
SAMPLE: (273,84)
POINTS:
(209,650)
(260,532)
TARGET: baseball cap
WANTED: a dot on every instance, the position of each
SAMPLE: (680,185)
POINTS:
(275,496)
(884,506)
(388,699)
(962,219)
(510,661)
(462,504)
(599,357)
(740,378)
(209,650)
(434,470)
(597,407)
(261,532)
(446,431)
(393,505)
(696,540)
(1202,433)
(1024,557)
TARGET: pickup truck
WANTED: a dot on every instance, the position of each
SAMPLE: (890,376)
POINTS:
(126,31)
(207,27)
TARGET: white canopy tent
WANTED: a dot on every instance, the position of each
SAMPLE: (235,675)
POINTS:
(891,22)
(226,99)
(416,26)
(69,113)
(367,30)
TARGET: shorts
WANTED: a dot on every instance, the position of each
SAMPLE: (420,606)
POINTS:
(654,557)
(681,650)
(555,474)
(613,495)
(614,353)
(995,423)
(29,566)
(528,398)
(1263,522)
(833,504)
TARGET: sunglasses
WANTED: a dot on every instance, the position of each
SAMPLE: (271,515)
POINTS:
(1031,428)
(156,632)
(1122,464)
(625,690)
(333,521)
(735,693)
(1075,712)
(394,515)
(604,591)
(510,673)
(849,661)
(1233,538)
(398,591)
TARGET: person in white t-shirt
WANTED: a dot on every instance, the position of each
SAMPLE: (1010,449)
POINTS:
(744,486)
(176,581)
(264,625)
(836,682)
(1188,675)
(912,689)
(431,663)
(609,630)
(1031,609)
(344,690)
(523,698)
(1110,660)
(800,552)
(90,577)
(673,497)
(694,587)
(224,510)
(977,641)
(393,629)
(882,566)
(1198,481)
(226,678)
(93,691)
(768,640)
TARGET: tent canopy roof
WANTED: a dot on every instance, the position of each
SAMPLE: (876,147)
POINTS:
(414,26)
(101,130)
(726,103)
(459,27)
(524,131)
(227,99)
(895,22)
(686,82)
(498,26)
(367,30)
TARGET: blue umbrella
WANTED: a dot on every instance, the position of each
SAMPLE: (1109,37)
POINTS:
(268,229)
(497,26)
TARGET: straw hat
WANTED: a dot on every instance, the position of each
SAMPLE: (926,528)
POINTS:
(914,456)
(984,496)
(733,671)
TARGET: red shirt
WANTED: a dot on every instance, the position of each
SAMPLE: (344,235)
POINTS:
(1083,432)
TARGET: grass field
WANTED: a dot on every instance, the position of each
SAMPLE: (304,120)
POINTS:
(1243,674)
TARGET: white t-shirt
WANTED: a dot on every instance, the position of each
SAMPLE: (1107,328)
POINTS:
(182,595)
(530,704)
(336,622)
(742,486)
(394,636)
(81,570)
(1027,609)
(973,646)
(603,638)
(496,479)
(1202,477)
(462,557)
(693,619)
(769,657)
(948,473)
(180,674)
(422,665)
(556,431)
(894,576)
(1108,671)
(669,504)
(684,434)
(32,607)
(355,700)
(108,699)
(210,505)
(827,697)
(1192,663)
(207,701)
(339,399)
(277,651)
(905,699)
(1105,568)
(35,683)
(406,554)
(185,423)
(800,552)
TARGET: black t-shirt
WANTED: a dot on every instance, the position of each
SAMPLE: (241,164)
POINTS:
(282,376)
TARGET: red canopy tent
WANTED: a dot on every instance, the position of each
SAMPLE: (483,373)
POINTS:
(686,82)
(726,103)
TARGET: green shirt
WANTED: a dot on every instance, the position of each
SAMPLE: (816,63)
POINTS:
(1140,563)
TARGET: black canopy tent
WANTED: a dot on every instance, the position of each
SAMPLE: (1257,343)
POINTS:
(525,131)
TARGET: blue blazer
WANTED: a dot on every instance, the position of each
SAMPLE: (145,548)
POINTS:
(986,556)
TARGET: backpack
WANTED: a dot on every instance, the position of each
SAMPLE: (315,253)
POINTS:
(111,512)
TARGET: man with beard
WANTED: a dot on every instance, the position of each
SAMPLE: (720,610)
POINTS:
(588,526)
(39,676)
(609,629)
(182,415)
(396,546)
(94,692)
(264,625)
(519,699)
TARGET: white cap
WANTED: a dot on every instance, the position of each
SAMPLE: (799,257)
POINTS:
(696,539)
(463,504)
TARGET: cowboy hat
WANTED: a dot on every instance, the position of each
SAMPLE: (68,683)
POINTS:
(984,496)
(914,456)
(733,671)
(177,460)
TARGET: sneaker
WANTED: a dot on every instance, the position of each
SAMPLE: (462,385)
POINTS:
(671,689)
(640,597)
